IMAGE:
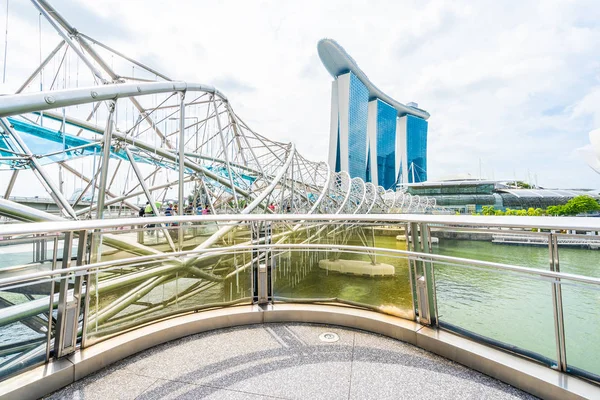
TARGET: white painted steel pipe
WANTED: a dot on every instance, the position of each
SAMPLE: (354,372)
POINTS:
(28,102)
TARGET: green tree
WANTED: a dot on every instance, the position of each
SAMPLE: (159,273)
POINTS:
(577,205)
(554,210)
(520,185)
(488,210)
(581,204)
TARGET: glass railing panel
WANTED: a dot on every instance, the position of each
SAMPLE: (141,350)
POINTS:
(147,288)
(580,254)
(24,306)
(377,279)
(514,247)
(581,313)
(18,252)
(144,239)
(27,254)
(512,311)
(23,326)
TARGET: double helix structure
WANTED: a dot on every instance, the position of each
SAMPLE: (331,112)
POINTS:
(118,134)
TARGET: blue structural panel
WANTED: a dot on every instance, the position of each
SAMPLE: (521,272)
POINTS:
(386,145)
(41,141)
(416,138)
(64,147)
(357,128)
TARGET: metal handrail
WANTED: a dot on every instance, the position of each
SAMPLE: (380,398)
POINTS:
(458,261)
(525,222)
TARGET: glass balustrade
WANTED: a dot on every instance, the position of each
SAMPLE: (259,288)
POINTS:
(506,308)
(24,323)
(376,278)
(143,274)
(143,289)
(581,310)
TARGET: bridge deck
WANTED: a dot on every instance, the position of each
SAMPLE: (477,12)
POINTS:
(287,361)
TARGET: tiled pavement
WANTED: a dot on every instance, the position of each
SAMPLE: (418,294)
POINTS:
(287,361)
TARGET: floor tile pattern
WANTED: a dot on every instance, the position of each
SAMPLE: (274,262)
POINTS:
(286,361)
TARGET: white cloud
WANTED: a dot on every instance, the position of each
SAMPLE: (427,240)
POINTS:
(513,83)
(589,105)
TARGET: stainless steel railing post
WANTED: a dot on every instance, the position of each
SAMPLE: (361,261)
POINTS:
(83,258)
(425,283)
(411,238)
(418,238)
(69,301)
(51,301)
(262,232)
(61,316)
(260,264)
(557,305)
(430,275)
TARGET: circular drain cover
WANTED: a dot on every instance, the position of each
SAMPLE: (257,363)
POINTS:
(329,337)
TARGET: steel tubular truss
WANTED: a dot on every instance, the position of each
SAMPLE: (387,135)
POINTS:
(184,137)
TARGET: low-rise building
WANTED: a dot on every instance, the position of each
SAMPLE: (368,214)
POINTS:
(468,196)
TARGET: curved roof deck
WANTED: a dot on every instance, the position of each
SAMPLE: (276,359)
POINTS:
(337,62)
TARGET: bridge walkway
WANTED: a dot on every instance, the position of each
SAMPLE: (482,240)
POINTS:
(287,361)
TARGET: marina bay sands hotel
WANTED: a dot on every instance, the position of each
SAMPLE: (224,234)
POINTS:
(373,136)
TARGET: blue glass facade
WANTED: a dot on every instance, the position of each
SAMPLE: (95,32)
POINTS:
(416,149)
(372,137)
(386,145)
(357,128)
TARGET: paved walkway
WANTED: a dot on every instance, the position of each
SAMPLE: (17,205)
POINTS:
(287,361)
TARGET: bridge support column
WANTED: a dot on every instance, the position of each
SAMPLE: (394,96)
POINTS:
(106,143)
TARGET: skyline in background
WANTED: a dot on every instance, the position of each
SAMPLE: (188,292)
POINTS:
(512,91)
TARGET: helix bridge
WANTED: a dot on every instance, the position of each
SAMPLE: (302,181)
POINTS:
(115,129)
(104,135)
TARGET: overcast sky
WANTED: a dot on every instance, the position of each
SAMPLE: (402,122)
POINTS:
(515,84)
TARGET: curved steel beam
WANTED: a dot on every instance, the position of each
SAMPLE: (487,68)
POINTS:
(15,104)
